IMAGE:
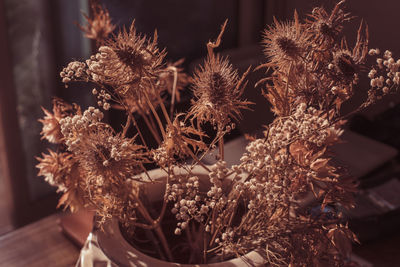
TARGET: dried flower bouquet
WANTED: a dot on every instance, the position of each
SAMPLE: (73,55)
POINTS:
(258,204)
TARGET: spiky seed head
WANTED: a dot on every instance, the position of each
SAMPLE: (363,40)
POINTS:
(344,64)
(217,89)
(285,42)
(56,169)
(51,130)
(99,25)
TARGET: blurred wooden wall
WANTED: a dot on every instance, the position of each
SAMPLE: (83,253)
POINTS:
(28,75)
(12,176)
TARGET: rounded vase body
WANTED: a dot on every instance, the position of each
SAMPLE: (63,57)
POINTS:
(109,248)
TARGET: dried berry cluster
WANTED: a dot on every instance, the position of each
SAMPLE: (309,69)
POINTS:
(285,196)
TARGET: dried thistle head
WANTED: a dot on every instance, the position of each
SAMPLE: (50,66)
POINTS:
(99,25)
(125,60)
(51,130)
(285,43)
(99,151)
(344,64)
(327,27)
(217,90)
(323,75)
(56,169)
(130,64)
(348,63)
(137,53)
(62,170)
(108,163)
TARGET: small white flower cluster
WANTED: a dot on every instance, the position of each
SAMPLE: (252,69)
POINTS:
(374,52)
(386,73)
(225,239)
(105,65)
(264,167)
(272,191)
(261,163)
(96,68)
(257,156)
(73,127)
(310,126)
(83,134)
(217,175)
(216,199)
(160,156)
(118,146)
(185,193)
(103,97)
(269,162)
(98,181)
(304,124)
(73,71)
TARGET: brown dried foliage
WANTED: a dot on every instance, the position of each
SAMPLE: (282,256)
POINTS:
(99,25)
(282,197)
(217,89)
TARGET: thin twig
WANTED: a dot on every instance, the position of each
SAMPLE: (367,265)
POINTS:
(151,127)
(163,109)
(212,45)
(175,71)
(204,247)
(221,148)
(164,207)
(157,227)
(137,129)
(160,125)
(127,124)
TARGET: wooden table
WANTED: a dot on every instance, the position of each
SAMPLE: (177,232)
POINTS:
(40,244)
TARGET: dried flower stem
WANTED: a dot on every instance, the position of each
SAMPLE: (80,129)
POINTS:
(210,147)
(163,109)
(132,118)
(160,125)
(235,207)
(212,45)
(204,247)
(221,147)
(214,231)
(146,172)
(156,226)
(198,161)
(150,125)
(127,124)
(164,242)
(164,207)
(214,249)
(172,108)
(153,124)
